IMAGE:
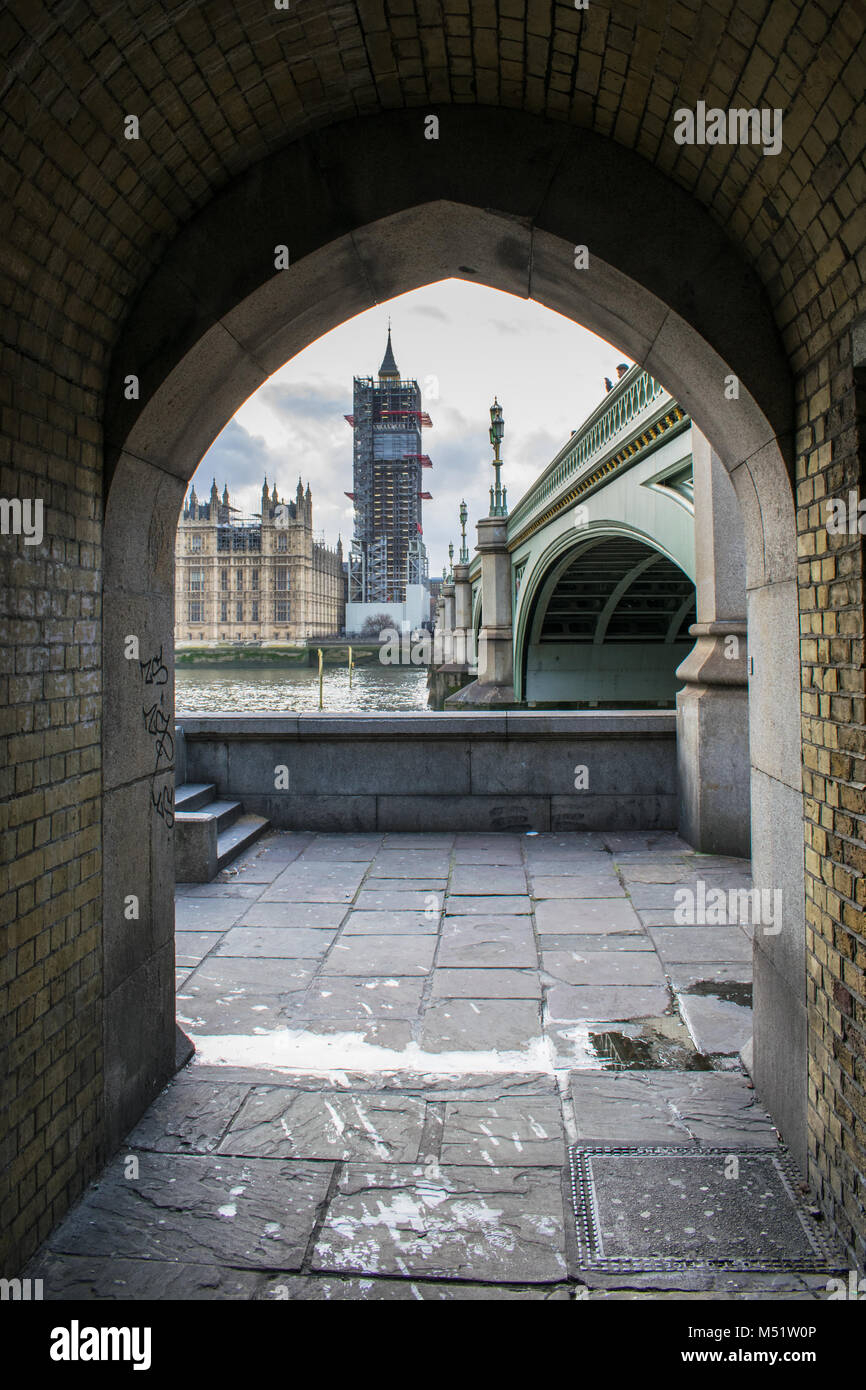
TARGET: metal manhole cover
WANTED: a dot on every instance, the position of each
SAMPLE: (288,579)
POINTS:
(668,1208)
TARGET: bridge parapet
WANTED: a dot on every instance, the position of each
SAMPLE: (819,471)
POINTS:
(414,771)
(629,408)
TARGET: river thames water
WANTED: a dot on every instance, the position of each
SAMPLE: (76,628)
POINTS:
(202,690)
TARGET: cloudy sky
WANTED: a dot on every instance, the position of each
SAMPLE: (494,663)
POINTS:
(465,344)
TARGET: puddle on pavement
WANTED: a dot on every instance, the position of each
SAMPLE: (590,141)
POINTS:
(659,1043)
(729,991)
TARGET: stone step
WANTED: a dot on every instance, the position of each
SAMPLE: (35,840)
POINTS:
(192,796)
(239,836)
(226,813)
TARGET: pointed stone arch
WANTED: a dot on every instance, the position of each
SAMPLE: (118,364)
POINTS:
(371,213)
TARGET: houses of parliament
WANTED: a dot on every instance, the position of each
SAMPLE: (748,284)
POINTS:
(261,578)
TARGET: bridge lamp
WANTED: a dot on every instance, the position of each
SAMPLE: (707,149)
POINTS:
(450,562)
(498,505)
(464,553)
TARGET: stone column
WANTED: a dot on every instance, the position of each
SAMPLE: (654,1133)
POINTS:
(713,707)
(495,682)
(439,630)
(462,615)
(447,592)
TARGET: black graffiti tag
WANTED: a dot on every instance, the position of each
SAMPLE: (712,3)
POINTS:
(155,671)
(158,725)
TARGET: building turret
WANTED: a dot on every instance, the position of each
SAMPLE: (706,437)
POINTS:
(192,510)
(266,501)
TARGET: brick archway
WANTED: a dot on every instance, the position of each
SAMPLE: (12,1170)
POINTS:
(92,218)
(217,318)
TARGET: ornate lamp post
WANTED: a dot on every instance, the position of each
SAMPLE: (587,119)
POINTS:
(450,562)
(498,503)
(464,551)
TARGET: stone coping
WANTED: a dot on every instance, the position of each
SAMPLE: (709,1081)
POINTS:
(435,724)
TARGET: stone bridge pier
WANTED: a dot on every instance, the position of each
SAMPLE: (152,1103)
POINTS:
(713,706)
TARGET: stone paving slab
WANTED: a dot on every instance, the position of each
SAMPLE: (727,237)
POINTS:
(357,997)
(505,1226)
(77,1278)
(505,1133)
(280,943)
(669,1108)
(704,972)
(451,983)
(281,844)
(319,853)
(654,895)
(674,871)
(352,839)
(390,923)
(658,917)
(605,1003)
(189,1118)
(586,915)
(458,1025)
(717,1026)
(224,892)
(208,914)
(405,885)
(644,841)
(612,943)
(487,879)
(277,1123)
(603,967)
(411,864)
(566,843)
(684,944)
(391,1031)
(465,905)
(328,1289)
(290,914)
(487,941)
(385,954)
(392,900)
(433,1086)
(509,858)
(330,884)
(252,872)
(232,995)
(192,947)
(571,886)
(425,840)
(577,866)
(490,840)
(252,1016)
(204,1209)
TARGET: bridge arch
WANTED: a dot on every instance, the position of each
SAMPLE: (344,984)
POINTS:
(608,567)
(363,223)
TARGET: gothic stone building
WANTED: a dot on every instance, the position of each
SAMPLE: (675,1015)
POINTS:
(255,579)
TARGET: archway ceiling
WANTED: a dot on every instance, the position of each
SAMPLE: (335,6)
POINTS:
(219,86)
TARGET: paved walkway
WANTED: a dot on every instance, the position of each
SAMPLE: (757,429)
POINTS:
(397,1039)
